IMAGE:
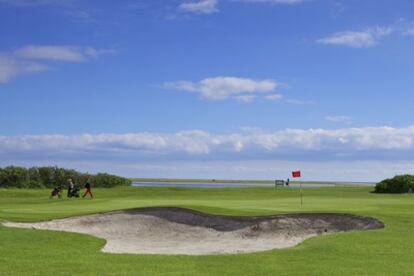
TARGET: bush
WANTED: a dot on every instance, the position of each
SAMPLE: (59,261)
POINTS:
(397,185)
(49,177)
(13,177)
(107,180)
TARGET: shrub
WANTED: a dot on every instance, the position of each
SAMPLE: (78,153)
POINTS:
(13,177)
(49,177)
(397,185)
(107,180)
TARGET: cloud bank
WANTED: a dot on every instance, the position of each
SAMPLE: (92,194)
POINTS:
(321,144)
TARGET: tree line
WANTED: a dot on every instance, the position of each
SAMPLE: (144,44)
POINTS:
(397,185)
(49,177)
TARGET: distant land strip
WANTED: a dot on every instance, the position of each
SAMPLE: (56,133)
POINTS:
(235,181)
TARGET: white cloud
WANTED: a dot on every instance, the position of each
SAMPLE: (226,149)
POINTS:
(221,88)
(275,1)
(69,7)
(404,27)
(26,59)
(31,3)
(299,102)
(357,39)
(365,143)
(274,97)
(245,98)
(201,6)
(60,53)
(409,32)
(181,86)
(339,119)
(210,6)
(11,68)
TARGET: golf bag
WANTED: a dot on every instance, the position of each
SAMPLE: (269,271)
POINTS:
(74,192)
(56,192)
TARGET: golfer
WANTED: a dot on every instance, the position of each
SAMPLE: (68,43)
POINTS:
(88,190)
(70,187)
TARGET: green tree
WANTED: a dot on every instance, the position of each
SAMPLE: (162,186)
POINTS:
(398,184)
(49,177)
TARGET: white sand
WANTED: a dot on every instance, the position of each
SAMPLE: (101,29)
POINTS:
(146,233)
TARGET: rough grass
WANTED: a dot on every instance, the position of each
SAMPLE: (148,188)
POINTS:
(381,252)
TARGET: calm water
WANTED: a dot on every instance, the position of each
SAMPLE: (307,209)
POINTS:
(199,185)
(247,185)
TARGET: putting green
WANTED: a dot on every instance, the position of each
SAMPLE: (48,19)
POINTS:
(380,252)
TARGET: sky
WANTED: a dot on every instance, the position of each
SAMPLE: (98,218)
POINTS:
(220,89)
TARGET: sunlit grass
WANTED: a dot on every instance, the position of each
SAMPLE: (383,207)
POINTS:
(382,252)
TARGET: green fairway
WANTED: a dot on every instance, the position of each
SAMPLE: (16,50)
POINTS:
(389,251)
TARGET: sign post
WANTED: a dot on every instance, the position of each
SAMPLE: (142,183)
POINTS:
(280,183)
(297,174)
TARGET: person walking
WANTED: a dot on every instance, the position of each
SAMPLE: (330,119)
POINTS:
(88,190)
(70,187)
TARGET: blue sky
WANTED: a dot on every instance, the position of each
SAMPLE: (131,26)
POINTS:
(185,88)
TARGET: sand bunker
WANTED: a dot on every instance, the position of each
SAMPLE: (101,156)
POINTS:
(183,231)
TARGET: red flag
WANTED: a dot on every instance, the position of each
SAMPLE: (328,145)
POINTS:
(296,174)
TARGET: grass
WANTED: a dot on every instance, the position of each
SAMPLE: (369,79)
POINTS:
(381,252)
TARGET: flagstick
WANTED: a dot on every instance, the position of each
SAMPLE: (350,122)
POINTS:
(301,197)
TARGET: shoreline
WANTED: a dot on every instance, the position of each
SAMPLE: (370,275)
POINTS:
(246,182)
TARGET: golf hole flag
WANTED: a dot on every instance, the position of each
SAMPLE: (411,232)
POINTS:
(296,174)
